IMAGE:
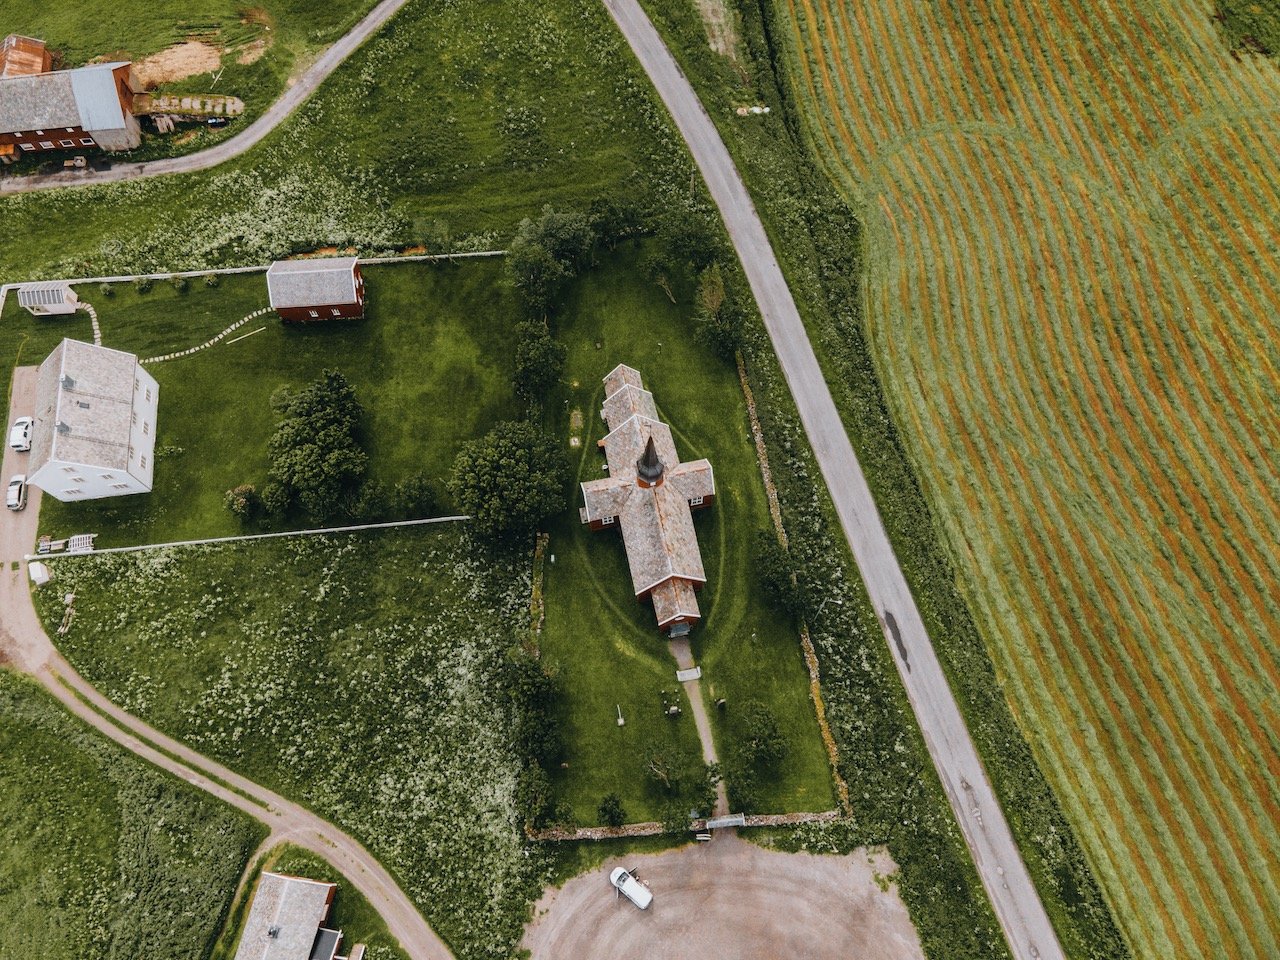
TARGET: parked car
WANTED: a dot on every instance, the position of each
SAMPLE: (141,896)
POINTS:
(20,433)
(16,498)
(217,121)
(631,888)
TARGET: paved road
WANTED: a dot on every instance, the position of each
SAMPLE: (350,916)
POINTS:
(1017,904)
(305,85)
(730,900)
(25,646)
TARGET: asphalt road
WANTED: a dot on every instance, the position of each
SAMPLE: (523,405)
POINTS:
(293,97)
(25,646)
(1017,904)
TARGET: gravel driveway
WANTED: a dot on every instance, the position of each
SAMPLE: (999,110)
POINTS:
(730,899)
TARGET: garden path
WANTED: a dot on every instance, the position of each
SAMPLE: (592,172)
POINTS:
(996,856)
(292,98)
(25,646)
(693,688)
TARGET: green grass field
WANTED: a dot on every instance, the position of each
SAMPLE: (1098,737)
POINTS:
(358,675)
(102,855)
(468,116)
(350,912)
(1071,289)
(431,363)
(605,644)
(277,38)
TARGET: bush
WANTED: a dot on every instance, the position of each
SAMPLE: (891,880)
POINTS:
(414,497)
(759,737)
(720,317)
(179,284)
(210,279)
(510,480)
(244,501)
(611,812)
(142,284)
(107,289)
(776,575)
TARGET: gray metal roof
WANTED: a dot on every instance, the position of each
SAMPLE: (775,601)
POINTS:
(316,282)
(284,919)
(46,293)
(85,97)
(84,406)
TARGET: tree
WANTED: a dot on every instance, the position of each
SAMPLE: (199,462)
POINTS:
(661,763)
(719,317)
(759,737)
(510,480)
(546,253)
(244,501)
(317,463)
(539,360)
(414,497)
(611,812)
(776,575)
(534,693)
(614,222)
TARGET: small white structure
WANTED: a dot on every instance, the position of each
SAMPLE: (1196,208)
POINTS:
(38,572)
(48,298)
(95,431)
(285,922)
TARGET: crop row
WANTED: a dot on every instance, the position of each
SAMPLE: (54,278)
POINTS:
(1070,296)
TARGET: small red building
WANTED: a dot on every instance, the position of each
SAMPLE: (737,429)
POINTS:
(328,288)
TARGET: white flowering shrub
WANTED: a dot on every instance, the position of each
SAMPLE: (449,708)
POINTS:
(359,675)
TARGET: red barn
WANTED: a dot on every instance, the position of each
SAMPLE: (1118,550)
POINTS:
(328,288)
(89,107)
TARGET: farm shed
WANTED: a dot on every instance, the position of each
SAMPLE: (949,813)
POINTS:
(95,430)
(304,291)
(70,110)
(285,921)
(48,298)
(650,495)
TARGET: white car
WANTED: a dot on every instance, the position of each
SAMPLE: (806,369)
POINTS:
(20,433)
(631,888)
(16,497)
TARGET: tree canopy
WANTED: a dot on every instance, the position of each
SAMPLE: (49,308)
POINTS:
(546,253)
(510,480)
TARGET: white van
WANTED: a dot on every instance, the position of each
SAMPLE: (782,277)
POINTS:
(631,888)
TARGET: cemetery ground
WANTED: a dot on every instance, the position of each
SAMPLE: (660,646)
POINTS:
(604,644)
(431,363)
(103,855)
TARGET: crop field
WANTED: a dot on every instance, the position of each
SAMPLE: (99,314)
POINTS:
(1072,281)
(101,854)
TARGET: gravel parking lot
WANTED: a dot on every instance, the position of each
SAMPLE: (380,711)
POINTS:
(730,899)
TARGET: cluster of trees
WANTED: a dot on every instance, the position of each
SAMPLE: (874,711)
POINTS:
(510,480)
(683,782)
(319,467)
(533,692)
(758,750)
(776,573)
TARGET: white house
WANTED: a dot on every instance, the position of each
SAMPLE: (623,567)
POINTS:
(47,298)
(95,431)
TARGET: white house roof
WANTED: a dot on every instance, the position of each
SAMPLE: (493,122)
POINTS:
(46,293)
(312,283)
(285,918)
(84,406)
(85,97)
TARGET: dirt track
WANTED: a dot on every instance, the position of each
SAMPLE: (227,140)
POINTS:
(730,899)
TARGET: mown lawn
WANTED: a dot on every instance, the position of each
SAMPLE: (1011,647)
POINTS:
(431,364)
(102,855)
(350,912)
(605,644)
(359,675)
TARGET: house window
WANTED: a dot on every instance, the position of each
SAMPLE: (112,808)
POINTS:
(607,521)
(86,141)
(72,492)
(70,129)
(336,311)
(46,144)
(66,143)
(314,313)
(27,146)
(39,133)
(695,501)
(17,136)
(119,486)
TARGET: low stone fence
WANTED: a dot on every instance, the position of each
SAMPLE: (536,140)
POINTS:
(653,828)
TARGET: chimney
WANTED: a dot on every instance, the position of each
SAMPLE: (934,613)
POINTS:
(649,467)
